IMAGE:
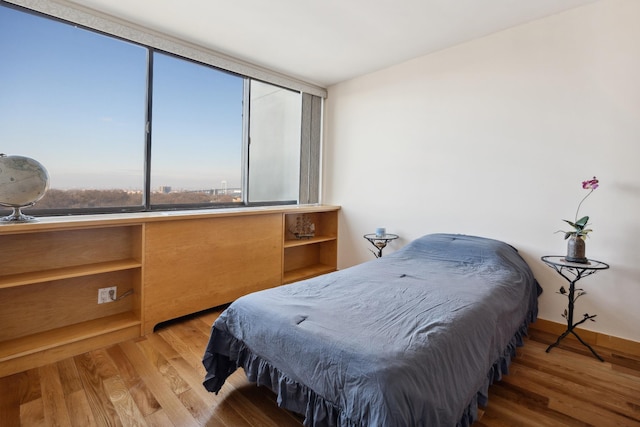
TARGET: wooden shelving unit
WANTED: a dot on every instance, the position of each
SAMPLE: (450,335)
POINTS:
(49,284)
(167,265)
(308,257)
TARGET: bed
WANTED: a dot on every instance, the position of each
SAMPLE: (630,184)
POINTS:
(411,339)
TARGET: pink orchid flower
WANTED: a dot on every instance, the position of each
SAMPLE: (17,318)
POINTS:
(579,225)
(592,184)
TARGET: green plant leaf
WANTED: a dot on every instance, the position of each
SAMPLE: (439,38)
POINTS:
(582,222)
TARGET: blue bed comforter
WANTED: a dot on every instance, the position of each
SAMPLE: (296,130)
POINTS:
(411,339)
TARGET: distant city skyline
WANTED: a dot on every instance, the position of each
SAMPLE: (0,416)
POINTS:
(220,190)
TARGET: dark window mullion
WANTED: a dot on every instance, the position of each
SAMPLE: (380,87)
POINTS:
(148,131)
(246,140)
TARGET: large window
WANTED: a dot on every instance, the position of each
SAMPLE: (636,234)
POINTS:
(122,126)
(274,149)
(75,101)
(196,133)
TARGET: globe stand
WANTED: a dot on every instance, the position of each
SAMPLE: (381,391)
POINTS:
(17,215)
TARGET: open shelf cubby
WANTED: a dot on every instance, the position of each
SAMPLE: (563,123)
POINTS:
(49,283)
(314,255)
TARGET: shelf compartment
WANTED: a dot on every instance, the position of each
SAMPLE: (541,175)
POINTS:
(312,259)
(35,350)
(28,278)
(310,241)
(52,250)
(306,258)
(51,305)
(35,343)
(306,272)
(325,224)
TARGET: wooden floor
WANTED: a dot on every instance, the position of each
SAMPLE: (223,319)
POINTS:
(156,381)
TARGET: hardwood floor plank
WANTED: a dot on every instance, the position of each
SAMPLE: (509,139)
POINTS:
(588,414)
(29,386)
(224,415)
(200,410)
(128,412)
(69,377)
(79,409)
(281,417)
(193,340)
(10,400)
(604,378)
(193,377)
(592,394)
(242,394)
(626,363)
(53,402)
(492,420)
(252,414)
(171,377)
(163,347)
(210,316)
(599,384)
(156,381)
(570,397)
(78,406)
(103,364)
(517,415)
(174,339)
(170,403)
(140,393)
(159,419)
(520,399)
(31,414)
(204,323)
(91,370)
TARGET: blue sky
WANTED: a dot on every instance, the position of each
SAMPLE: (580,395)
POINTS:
(75,101)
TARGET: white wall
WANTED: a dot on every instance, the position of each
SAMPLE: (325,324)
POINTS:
(493,138)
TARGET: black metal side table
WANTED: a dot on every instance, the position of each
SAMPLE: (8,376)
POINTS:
(572,272)
(380,242)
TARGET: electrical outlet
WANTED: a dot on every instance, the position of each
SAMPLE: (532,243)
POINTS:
(107,294)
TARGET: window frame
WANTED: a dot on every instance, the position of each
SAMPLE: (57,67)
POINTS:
(310,123)
(150,207)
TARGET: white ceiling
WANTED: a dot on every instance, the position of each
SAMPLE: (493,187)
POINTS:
(329,41)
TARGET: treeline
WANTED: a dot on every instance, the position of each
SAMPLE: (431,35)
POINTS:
(82,199)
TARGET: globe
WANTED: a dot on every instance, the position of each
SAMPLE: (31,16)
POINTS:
(23,181)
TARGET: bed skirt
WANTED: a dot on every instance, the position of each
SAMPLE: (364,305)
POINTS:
(317,411)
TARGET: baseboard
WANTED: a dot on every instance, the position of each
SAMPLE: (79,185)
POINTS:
(592,338)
